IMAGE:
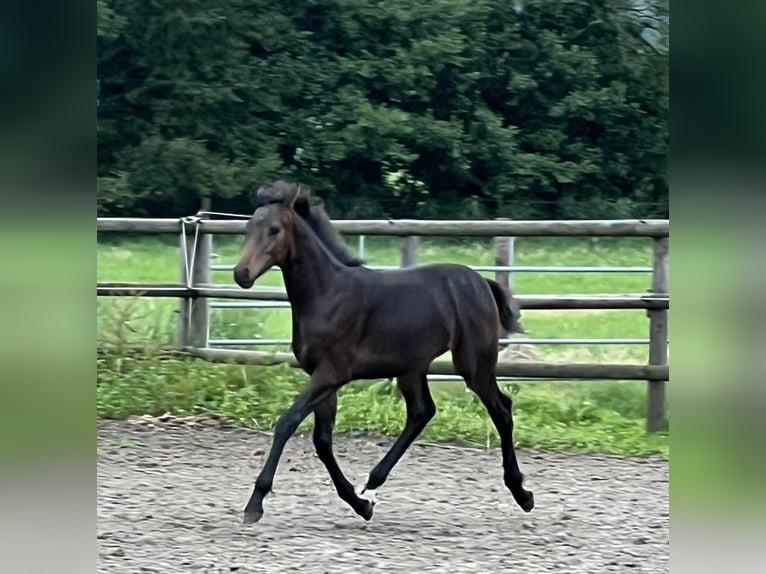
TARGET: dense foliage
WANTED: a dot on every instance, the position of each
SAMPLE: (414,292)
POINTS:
(460,108)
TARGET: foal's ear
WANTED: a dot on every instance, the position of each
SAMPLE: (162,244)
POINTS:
(290,195)
(300,201)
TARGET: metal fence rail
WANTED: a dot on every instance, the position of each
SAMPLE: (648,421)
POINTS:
(503,253)
(518,341)
(509,268)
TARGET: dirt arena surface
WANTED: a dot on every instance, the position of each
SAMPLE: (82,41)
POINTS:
(170,500)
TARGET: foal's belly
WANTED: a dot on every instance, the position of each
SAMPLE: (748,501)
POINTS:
(397,348)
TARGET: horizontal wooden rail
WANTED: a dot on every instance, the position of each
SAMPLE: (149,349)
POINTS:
(111,289)
(538,302)
(521,370)
(138,225)
(416,227)
(445,367)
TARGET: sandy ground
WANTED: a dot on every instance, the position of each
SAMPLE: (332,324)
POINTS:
(170,500)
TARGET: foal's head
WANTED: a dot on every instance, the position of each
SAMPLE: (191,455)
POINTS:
(269,234)
(312,211)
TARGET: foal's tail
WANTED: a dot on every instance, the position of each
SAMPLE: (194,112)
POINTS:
(510,313)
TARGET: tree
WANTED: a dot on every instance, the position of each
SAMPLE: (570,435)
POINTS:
(523,109)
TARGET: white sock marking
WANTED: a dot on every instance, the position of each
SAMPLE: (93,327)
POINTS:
(369,495)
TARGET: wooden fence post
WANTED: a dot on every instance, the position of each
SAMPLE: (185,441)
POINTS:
(504,256)
(409,251)
(656,415)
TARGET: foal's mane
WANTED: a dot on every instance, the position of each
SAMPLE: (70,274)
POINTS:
(311,210)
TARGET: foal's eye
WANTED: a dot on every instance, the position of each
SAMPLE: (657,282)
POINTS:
(273,230)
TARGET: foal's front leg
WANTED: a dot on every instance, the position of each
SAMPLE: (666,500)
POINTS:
(324,422)
(319,388)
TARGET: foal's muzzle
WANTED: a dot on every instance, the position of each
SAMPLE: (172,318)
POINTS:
(243,277)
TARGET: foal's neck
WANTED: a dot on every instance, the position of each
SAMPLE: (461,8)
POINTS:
(311,272)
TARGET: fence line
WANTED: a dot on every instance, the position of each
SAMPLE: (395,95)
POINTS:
(198,295)
(503,268)
(532,370)
(515,341)
(504,256)
(440,369)
(528,302)
(417,227)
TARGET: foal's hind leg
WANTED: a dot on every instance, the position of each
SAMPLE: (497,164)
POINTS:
(324,422)
(499,407)
(480,378)
(420,410)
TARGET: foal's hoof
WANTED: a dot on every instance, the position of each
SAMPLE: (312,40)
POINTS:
(368,500)
(366,510)
(251,516)
(528,504)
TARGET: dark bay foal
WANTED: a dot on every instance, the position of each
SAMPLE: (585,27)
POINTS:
(350,322)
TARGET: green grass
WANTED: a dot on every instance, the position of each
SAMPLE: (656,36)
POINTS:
(592,417)
(589,416)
